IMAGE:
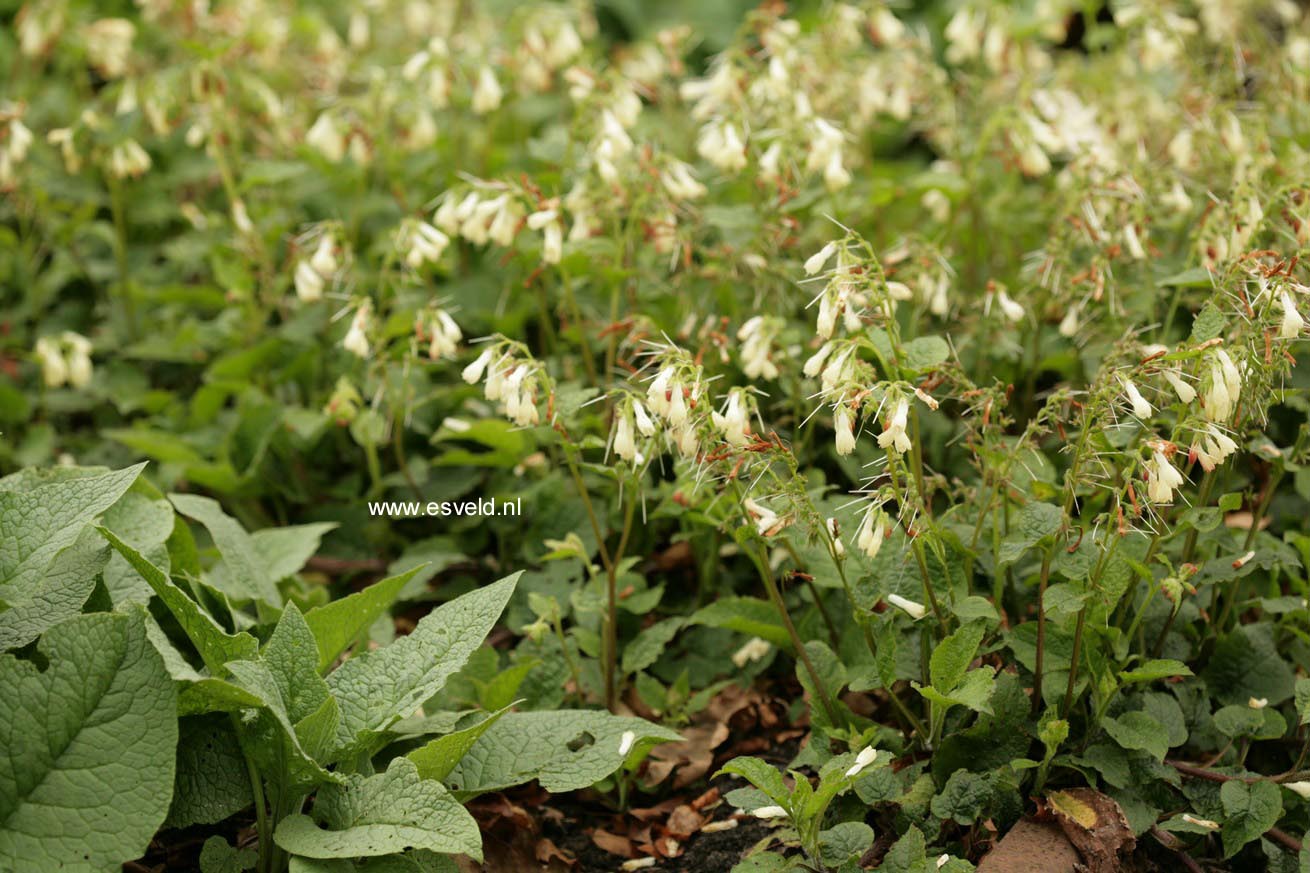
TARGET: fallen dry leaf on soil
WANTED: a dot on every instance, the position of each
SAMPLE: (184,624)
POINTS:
(683,822)
(1032,847)
(613,843)
(1095,824)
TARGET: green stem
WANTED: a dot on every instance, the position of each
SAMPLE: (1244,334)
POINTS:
(261,813)
(1039,666)
(612,612)
(775,596)
(1202,500)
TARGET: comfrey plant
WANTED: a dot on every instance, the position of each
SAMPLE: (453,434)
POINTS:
(280,696)
(930,370)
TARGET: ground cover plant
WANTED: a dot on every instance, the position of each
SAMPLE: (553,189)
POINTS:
(492,436)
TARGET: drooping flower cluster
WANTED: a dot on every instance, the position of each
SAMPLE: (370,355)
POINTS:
(65,360)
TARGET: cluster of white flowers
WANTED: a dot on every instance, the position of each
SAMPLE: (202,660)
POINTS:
(64,361)
(631,421)
(314,273)
(1163,477)
(128,160)
(109,45)
(509,380)
(441,332)
(420,243)
(15,140)
(334,139)
(356,339)
(478,218)
(757,336)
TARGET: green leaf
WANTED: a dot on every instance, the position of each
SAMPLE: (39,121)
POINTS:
(284,550)
(952,656)
(646,648)
(215,645)
(1036,521)
(211,782)
(47,569)
(337,624)
(907,855)
(1208,324)
(762,775)
(1246,663)
(925,352)
(1250,809)
(436,758)
(975,691)
(377,688)
(245,572)
(292,655)
(1302,692)
(845,842)
(964,798)
(379,815)
(89,747)
(218,856)
(565,750)
(748,615)
(1160,668)
(1138,731)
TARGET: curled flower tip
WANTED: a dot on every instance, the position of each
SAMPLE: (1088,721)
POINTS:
(1186,393)
(1164,478)
(1141,408)
(644,424)
(1293,323)
(473,372)
(1302,789)
(844,422)
(1069,324)
(866,757)
(942,861)
(894,436)
(872,532)
(835,534)
(815,262)
(626,742)
(1258,702)
(638,864)
(914,610)
(767,812)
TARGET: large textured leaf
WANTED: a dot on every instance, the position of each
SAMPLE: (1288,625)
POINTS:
(436,758)
(292,655)
(41,521)
(1245,664)
(378,688)
(1251,810)
(335,625)
(273,738)
(38,603)
(86,747)
(747,615)
(144,522)
(245,574)
(47,568)
(564,750)
(211,782)
(420,861)
(284,550)
(378,815)
(215,645)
